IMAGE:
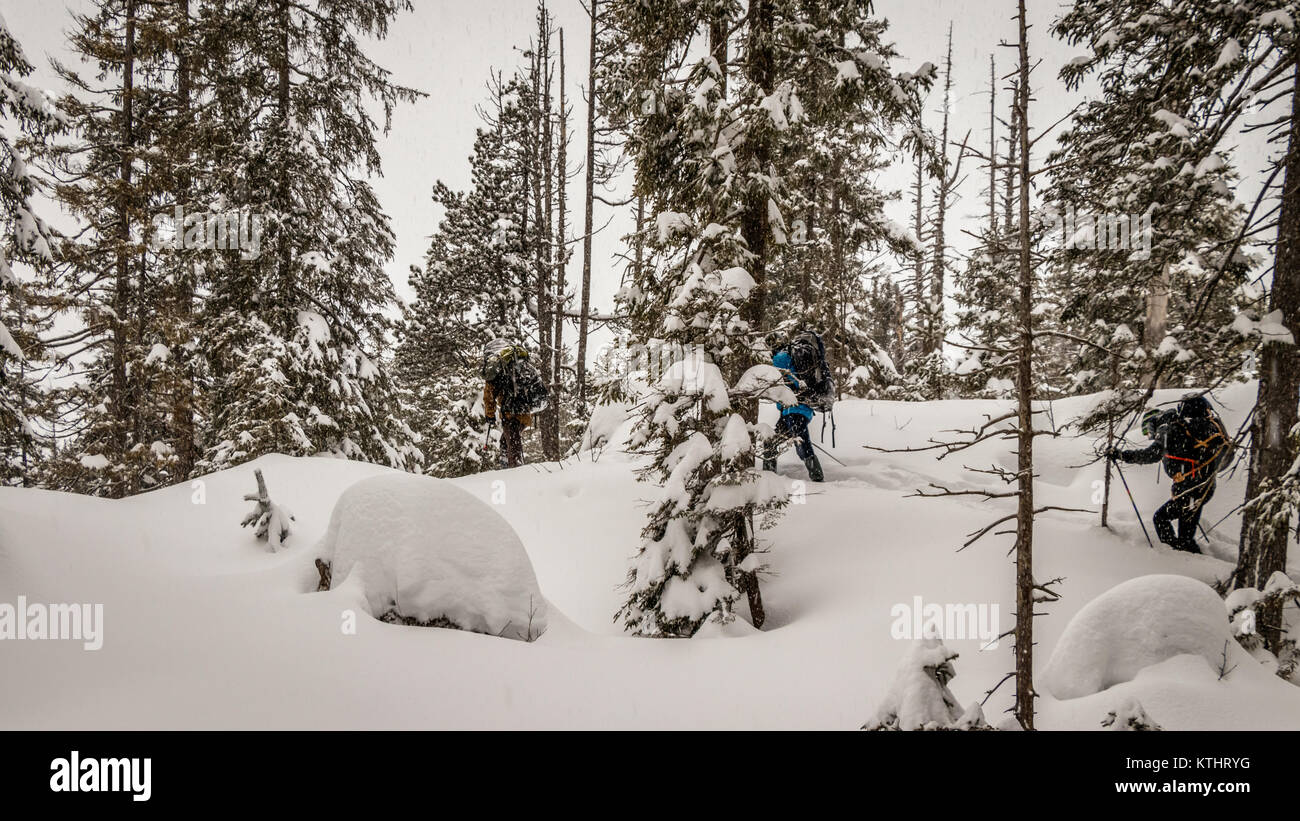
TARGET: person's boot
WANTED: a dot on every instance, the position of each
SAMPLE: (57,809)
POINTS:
(814,468)
(1189,546)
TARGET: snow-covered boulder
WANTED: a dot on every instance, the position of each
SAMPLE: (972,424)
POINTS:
(427,551)
(1134,625)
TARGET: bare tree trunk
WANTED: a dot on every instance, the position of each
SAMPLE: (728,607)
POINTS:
(588,212)
(1024,633)
(918,265)
(121,401)
(638,242)
(183,399)
(934,317)
(993,147)
(544,220)
(1263,549)
(1157,318)
(561,259)
(1110,440)
(284,198)
(760,69)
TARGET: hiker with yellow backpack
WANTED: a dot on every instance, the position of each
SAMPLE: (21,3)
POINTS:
(1193,445)
(513,386)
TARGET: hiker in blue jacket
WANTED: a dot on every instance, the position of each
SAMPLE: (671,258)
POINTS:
(794,420)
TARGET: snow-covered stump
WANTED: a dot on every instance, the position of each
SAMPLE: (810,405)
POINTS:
(271,522)
(1129,717)
(1244,607)
(919,698)
(425,552)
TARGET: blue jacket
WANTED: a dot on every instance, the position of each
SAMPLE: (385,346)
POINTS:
(782,360)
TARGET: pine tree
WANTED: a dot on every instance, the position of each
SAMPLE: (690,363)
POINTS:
(296,333)
(110,179)
(1221,62)
(470,291)
(719,111)
(1143,223)
(28,114)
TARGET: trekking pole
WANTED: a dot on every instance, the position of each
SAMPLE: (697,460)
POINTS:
(828,453)
(487,435)
(1136,512)
(831,414)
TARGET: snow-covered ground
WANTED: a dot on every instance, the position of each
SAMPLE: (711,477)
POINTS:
(205,628)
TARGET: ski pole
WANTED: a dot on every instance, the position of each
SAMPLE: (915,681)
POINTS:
(1136,512)
(828,453)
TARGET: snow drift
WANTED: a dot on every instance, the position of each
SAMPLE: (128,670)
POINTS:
(426,551)
(1135,625)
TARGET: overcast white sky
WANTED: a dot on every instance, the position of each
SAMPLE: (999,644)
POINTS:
(447,48)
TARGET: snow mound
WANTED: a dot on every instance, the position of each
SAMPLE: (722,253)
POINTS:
(1134,625)
(919,698)
(426,550)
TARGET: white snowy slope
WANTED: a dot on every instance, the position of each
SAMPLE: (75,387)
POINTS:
(204,627)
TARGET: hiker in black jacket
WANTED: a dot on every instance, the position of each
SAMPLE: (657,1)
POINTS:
(1191,443)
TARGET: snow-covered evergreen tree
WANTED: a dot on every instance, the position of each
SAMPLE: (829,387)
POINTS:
(1146,219)
(1221,64)
(26,113)
(473,288)
(721,108)
(296,333)
(120,105)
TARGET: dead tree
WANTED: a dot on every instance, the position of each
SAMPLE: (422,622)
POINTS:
(271,522)
(1016,424)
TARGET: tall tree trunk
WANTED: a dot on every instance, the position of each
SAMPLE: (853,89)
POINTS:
(122,410)
(638,240)
(1009,172)
(543,217)
(760,68)
(561,257)
(993,147)
(1157,318)
(935,312)
(1110,441)
(1024,633)
(588,208)
(1263,542)
(284,196)
(934,317)
(918,264)
(183,399)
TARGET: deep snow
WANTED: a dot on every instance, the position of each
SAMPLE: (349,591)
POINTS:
(204,627)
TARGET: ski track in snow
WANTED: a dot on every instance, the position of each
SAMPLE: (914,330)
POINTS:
(204,628)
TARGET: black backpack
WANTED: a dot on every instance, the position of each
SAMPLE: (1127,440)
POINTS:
(1196,444)
(516,380)
(808,364)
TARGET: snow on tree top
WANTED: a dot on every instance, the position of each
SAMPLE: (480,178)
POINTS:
(846,71)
